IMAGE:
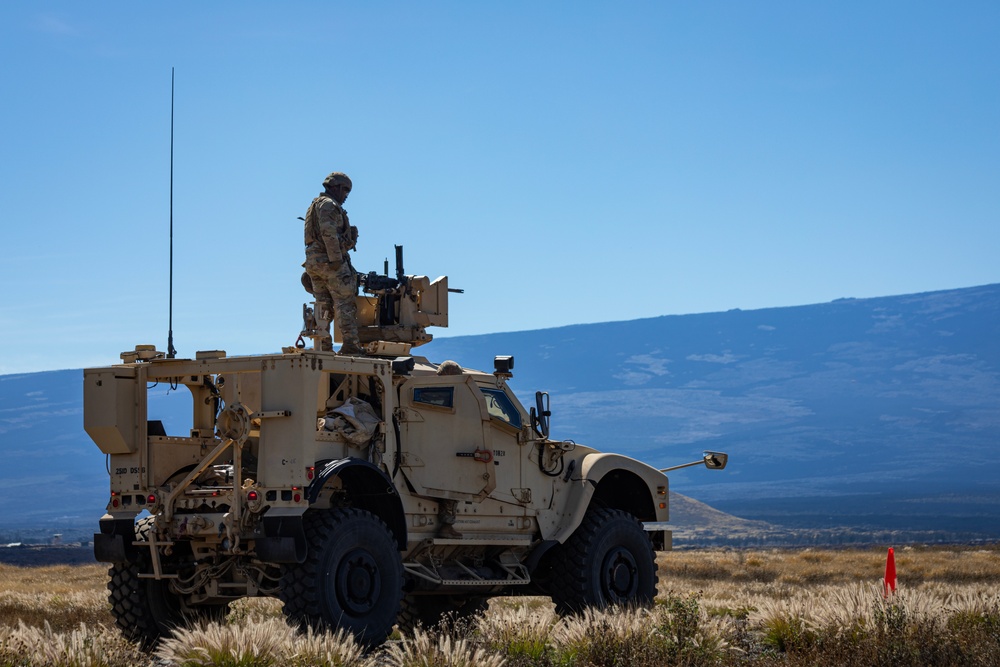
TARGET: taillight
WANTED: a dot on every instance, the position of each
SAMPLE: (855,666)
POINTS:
(151,499)
(310,472)
(252,496)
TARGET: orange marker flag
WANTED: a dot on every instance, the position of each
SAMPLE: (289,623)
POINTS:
(889,583)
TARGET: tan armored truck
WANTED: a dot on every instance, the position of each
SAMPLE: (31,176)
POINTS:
(363,491)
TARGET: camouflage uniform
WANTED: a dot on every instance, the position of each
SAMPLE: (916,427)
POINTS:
(328,237)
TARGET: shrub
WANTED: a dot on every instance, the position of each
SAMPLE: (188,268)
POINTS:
(260,644)
(80,647)
(523,634)
(421,650)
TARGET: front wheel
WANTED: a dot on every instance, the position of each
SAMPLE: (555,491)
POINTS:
(608,561)
(352,577)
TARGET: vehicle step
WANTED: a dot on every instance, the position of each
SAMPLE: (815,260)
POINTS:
(484,540)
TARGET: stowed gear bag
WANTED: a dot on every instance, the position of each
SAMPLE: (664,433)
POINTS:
(355,421)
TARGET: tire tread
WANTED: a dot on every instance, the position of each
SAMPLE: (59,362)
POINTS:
(299,590)
(570,585)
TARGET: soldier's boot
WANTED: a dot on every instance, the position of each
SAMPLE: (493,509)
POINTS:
(448,532)
(447,515)
(351,343)
(351,349)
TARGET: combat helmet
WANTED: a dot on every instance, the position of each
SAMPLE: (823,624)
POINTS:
(337,178)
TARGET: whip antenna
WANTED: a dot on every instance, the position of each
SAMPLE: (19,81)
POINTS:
(171,352)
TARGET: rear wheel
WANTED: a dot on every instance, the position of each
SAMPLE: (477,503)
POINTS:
(608,561)
(144,609)
(352,577)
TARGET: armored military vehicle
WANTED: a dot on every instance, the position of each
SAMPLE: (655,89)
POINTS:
(363,491)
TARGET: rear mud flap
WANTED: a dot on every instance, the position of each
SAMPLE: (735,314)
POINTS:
(285,540)
(114,543)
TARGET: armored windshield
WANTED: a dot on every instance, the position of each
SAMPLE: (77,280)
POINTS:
(501,407)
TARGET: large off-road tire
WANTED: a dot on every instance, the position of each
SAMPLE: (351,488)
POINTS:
(352,577)
(144,609)
(429,611)
(608,561)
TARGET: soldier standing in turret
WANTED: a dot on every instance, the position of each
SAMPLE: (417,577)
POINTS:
(329,236)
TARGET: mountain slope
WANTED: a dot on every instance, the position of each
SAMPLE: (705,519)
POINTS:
(876,414)
(52,472)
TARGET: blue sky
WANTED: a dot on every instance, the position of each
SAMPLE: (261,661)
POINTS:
(562,162)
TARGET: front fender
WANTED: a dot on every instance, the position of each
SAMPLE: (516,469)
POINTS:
(628,484)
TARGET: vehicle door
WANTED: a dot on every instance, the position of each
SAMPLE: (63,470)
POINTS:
(445,438)
(505,424)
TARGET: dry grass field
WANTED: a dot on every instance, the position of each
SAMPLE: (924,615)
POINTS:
(775,607)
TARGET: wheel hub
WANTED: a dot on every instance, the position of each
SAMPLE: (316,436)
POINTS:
(358,582)
(620,576)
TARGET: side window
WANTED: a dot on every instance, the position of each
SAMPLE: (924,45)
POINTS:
(500,406)
(441,397)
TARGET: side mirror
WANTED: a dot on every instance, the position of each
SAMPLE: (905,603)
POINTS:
(540,414)
(716,460)
(711,460)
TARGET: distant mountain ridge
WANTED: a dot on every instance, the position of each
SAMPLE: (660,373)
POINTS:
(868,415)
(876,414)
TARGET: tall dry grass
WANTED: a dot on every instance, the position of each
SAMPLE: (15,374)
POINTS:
(802,567)
(747,608)
(426,650)
(64,596)
(83,646)
(263,643)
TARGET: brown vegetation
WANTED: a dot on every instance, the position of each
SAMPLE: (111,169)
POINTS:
(64,596)
(788,607)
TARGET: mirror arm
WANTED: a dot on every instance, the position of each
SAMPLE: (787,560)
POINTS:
(699,462)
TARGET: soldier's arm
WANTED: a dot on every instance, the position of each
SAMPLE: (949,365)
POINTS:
(330,220)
